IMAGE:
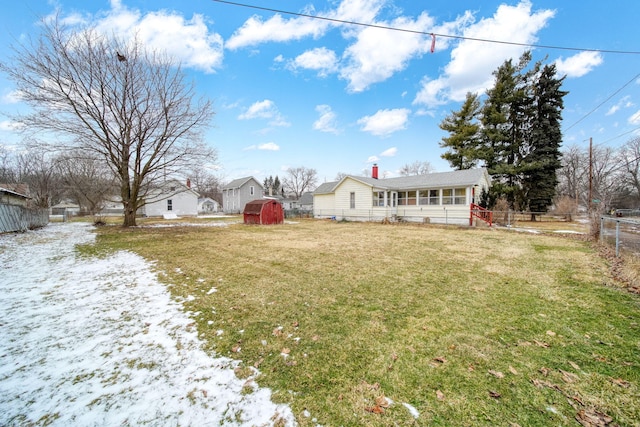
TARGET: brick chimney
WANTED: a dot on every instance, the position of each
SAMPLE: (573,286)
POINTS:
(374,171)
(188,183)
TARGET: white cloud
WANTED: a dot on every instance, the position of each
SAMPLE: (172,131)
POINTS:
(260,110)
(12,97)
(319,59)
(265,109)
(390,152)
(472,62)
(635,118)
(187,40)
(10,126)
(255,30)
(327,120)
(378,53)
(623,103)
(268,146)
(385,122)
(276,29)
(578,65)
(373,159)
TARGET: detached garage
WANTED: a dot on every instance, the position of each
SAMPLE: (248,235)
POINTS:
(264,212)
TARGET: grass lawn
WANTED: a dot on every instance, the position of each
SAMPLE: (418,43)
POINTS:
(385,325)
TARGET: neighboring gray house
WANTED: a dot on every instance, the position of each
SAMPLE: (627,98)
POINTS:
(207,205)
(171,198)
(237,193)
(306,202)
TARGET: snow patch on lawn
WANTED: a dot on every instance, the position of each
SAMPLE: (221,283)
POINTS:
(99,341)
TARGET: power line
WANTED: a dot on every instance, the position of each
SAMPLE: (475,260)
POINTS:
(405,30)
(603,102)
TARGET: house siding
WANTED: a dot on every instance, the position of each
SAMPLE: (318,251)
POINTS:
(235,198)
(184,202)
(323,204)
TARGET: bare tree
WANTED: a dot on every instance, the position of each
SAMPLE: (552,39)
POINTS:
(113,99)
(37,169)
(573,176)
(299,180)
(416,168)
(87,180)
(7,167)
(630,163)
(206,183)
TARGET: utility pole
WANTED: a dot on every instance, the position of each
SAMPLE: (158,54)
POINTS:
(590,201)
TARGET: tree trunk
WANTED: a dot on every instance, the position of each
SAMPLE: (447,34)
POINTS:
(129,217)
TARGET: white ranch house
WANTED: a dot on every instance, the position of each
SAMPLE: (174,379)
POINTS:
(444,197)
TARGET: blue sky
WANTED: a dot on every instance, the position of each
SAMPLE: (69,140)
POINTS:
(290,91)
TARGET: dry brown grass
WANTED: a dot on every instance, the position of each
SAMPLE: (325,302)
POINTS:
(420,314)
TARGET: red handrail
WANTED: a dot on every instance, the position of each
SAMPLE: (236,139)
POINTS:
(481,213)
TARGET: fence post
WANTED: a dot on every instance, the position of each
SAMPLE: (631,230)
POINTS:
(617,238)
(601,229)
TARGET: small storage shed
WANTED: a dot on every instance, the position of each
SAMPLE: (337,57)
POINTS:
(264,212)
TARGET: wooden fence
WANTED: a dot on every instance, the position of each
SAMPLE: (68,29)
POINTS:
(18,218)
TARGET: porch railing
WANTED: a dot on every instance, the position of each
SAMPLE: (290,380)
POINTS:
(481,213)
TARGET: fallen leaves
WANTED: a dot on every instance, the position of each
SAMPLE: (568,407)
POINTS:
(574,366)
(620,382)
(496,374)
(593,418)
(568,377)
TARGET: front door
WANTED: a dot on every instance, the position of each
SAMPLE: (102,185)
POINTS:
(393,203)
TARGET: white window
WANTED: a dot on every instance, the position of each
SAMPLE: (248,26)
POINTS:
(252,190)
(169,205)
(378,198)
(352,200)
(454,196)
(429,197)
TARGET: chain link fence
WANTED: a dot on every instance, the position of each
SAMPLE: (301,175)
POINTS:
(622,233)
(18,218)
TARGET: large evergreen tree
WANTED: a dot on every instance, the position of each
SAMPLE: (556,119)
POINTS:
(518,135)
(504,124)
(540,179)
(464,133)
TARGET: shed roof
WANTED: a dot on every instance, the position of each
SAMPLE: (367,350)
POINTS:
(17,190)
(255,206)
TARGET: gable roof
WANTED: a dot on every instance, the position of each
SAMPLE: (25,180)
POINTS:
(237,183)
(306,198)
(458,178)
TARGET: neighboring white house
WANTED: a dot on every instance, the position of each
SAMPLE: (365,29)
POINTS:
(444,197)
(207,205)
(237,193)
(170,198)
